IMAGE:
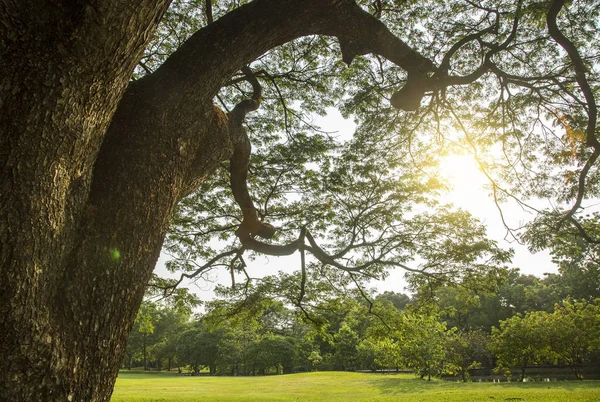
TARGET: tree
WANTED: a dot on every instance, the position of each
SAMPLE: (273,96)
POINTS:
(466,351)
(515,293)
(424,345)
(146,330)
(93,163)
(520,342)
(271,352)
(171,322)
(198,347)
(389,353)
(366,355)
(573,332)
(346,341)
(578,262)
(399,300)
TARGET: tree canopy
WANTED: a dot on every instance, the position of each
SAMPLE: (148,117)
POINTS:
(512,86)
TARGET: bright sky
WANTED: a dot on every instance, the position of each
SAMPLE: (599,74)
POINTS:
(468,193)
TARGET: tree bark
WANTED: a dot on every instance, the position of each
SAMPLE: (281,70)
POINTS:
(65,65)
(92,165)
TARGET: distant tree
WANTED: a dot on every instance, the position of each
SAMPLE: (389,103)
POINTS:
(456,305)
(399,300)
(307,354)
(520,342)
(346,354)
(514,293)
(315,359)
(145,320)
(198,347)
(573,332)
(366,355)
(578,261)
(424,345)
(389,353)
(133,347)
(233,349)
(467,350)
(271,352)
(170,323)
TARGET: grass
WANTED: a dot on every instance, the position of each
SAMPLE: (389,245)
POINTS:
(339,386)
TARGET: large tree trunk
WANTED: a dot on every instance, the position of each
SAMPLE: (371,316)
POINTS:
(64,318)
(92,166)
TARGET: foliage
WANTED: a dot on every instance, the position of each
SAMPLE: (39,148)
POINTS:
(466,351)
(198,347)
(520,341)
(569,334)
(430,337)
(573,332)
(154,336)
(346,341)
(271,352)
(577,261)
(373,200)
(424,345)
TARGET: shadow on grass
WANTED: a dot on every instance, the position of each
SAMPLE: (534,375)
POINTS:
(405,385)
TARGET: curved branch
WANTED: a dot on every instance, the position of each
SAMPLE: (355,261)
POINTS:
(320,254)
(238,168)
(212,55)
(441,79)
(445,64)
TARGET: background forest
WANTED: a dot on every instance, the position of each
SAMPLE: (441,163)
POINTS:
(528,321)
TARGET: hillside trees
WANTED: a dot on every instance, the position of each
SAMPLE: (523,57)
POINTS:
(93,163)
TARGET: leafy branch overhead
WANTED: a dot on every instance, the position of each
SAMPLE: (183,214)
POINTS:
(486,56)
(497,36)
(361,195)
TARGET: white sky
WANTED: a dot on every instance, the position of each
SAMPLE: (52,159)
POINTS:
(468,193)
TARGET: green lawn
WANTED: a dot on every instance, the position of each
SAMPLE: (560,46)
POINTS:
(338,386)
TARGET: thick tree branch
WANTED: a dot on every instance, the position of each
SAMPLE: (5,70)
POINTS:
(322,256)
(219,50)
(208,10)
(251,224)
(442,80)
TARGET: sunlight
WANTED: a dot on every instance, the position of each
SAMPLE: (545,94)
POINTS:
(466,181)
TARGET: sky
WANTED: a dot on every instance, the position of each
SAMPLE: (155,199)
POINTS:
(468,193)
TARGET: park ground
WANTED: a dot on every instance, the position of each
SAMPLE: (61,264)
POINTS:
(340,386)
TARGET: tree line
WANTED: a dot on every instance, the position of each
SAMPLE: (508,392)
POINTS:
(526,321)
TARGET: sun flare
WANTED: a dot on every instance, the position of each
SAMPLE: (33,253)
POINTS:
(462,174)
